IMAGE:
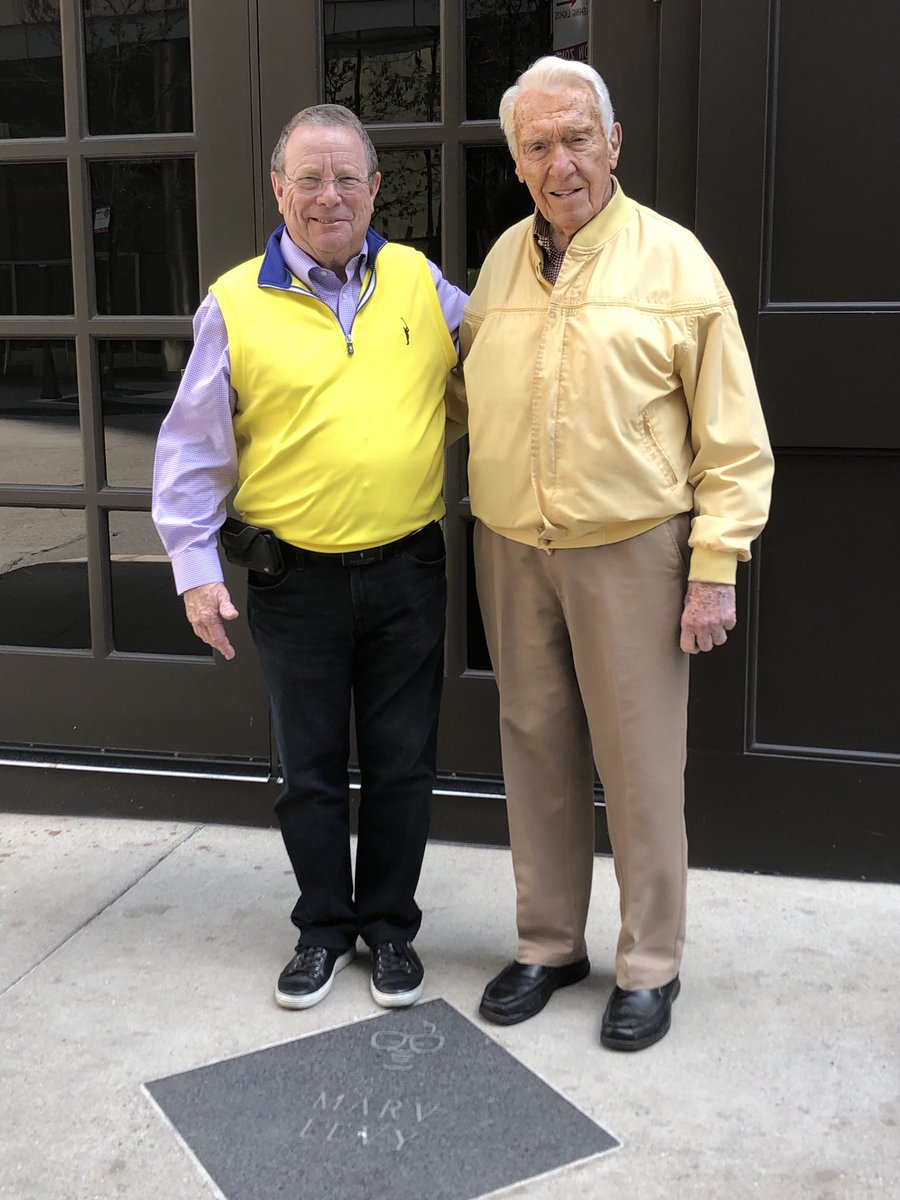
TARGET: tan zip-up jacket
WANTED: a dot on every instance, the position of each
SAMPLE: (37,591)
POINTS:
(606,404)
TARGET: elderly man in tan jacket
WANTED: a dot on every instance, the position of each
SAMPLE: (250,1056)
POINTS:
(619,470)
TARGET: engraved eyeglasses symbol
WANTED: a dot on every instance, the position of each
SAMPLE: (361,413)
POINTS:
(402,1048)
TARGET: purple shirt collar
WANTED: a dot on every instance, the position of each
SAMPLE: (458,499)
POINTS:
(302,265)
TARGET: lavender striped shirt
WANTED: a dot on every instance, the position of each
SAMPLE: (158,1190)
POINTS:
(196,458)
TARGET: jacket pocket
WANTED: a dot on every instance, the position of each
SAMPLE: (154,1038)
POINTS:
(656,452)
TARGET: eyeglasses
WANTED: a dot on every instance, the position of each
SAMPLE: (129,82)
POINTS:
(345,185)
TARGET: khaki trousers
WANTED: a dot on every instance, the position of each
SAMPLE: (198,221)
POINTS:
(584,645)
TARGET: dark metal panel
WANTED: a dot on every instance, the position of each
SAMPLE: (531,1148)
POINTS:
(226,183)
(138,703)
(136,145)
(624,48)
(793,816)
(72,49)
(453,109)
(469,732)
(824,378)
(89,405)
(32,149)
(75,102)
(732,145)
(833,234)
(100,327)
(43,497)
(826,679)
(289,75)
(717,707)
(65,792)
(482,133)
(679,72)
(814,789)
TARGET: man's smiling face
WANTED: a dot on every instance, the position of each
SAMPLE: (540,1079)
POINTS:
(563,155)
(329,226)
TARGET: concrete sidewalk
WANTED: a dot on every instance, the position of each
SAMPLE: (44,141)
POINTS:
(131,951)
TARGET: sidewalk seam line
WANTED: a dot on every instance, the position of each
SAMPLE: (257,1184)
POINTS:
(100,911)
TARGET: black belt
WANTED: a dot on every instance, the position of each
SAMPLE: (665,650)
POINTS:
(297,558)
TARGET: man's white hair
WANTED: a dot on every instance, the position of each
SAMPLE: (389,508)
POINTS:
(553,72)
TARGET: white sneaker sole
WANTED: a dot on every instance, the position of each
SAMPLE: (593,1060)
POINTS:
(286,1000)
(396,999)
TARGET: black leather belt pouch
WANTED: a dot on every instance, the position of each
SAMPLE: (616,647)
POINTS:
(251,547)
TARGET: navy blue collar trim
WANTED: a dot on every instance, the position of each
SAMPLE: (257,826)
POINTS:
(274,273)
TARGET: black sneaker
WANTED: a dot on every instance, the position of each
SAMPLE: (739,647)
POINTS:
(398,977)
(308,977)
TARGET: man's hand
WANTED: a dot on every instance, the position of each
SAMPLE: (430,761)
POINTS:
(207,606)
(709,612)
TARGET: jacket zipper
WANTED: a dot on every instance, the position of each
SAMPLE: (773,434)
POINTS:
(368,288)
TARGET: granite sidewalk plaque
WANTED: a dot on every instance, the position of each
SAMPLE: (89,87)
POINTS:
(417,1104)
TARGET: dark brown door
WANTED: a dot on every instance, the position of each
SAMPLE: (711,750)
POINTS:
(795,726)
(126,186)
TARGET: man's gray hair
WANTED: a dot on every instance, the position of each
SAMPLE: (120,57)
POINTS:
(553,72)
(324,114)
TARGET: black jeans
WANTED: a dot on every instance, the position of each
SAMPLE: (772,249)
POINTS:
(375,633)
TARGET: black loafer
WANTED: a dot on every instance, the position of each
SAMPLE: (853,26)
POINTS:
(522,989)
(635,1020)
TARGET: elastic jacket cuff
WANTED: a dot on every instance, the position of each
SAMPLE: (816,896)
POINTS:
(712,566)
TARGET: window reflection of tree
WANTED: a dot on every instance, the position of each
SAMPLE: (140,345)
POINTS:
(391,73)
(137,58)
(399,86)
(503,37)
(407,208)
(384,72)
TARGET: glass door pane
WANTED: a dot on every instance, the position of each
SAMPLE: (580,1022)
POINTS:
(35,242)
(383,60)
(145,235)
(502,38)
(138,381)
(31,81)
(408,204)
(40,428)
(44,600)
(138,66)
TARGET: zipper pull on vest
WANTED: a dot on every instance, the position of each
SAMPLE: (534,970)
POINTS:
(349,340)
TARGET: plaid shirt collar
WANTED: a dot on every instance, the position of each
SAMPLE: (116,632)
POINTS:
(552,258)
(543,235)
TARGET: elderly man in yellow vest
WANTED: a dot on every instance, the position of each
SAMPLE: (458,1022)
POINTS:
(619,468)
(316,389)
